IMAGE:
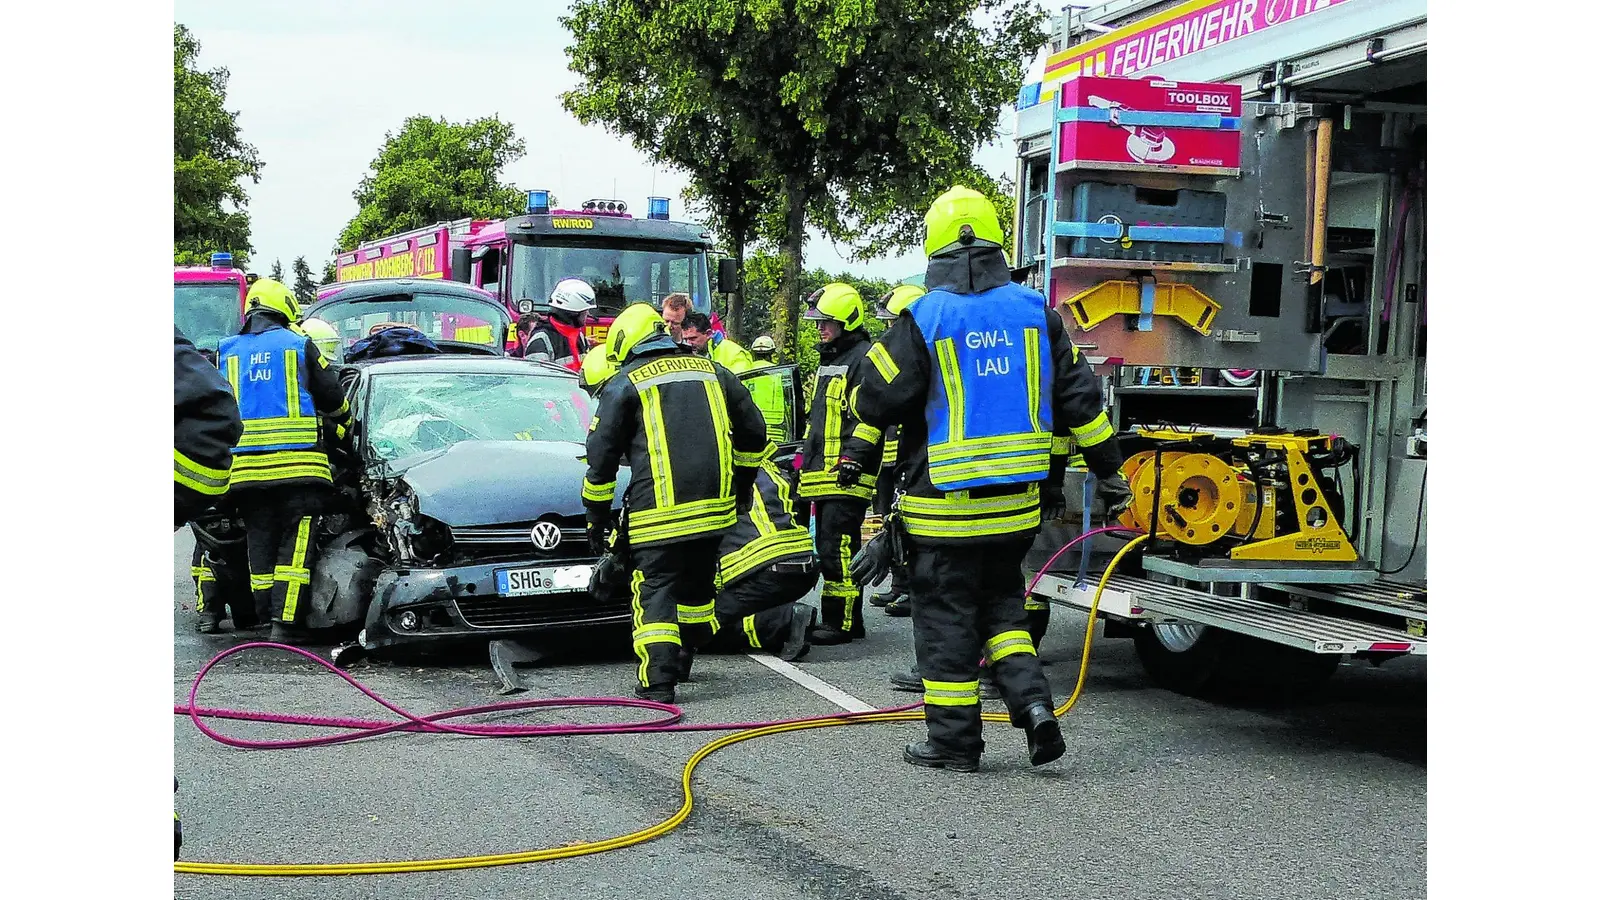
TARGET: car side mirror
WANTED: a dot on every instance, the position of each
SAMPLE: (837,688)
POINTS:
(461,265)
(727,275)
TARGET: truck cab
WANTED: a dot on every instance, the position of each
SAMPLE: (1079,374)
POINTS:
(208,301)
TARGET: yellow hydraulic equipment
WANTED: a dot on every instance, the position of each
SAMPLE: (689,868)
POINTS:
(1183,302)
(1257,498)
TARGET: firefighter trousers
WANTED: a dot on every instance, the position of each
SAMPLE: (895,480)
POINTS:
(674,604)
(838,539)
(280,531)
(222,586)
(966,604)
(753,612)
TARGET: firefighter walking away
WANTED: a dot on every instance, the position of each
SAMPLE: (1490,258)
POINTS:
(986,389)
(692,438)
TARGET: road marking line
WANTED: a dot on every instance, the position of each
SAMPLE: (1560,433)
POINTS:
(813,684)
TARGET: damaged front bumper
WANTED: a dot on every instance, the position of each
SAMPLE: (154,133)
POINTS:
(416,606)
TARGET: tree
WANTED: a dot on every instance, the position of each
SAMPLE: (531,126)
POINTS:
(330,272)
(209,159)
(434,171)
(305,290)
(857,114)
(277,270)
(621,91)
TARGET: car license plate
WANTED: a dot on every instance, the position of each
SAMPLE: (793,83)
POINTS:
(544,580)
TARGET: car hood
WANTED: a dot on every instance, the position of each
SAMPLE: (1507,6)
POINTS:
(495,482)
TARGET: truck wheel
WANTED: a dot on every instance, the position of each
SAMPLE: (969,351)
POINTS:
(1180,656)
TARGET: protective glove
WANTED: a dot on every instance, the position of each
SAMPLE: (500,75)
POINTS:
(1052,501)
(870,565)
(848,470)
(744,489)
(597,521)
(1115,494)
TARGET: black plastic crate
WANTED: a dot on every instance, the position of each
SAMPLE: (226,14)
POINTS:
(1134,206)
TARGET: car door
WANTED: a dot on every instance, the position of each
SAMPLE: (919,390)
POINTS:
(776,391)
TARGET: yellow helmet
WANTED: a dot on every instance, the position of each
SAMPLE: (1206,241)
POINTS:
(895,302)
(274,296)
(961,217)
(841,303)
(324,335)
(634,324)
(596,369)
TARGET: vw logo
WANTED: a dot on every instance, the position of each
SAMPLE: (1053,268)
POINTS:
(545,536)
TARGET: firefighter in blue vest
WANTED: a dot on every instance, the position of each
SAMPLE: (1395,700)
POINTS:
(986,389)
(841,496)
(281,478)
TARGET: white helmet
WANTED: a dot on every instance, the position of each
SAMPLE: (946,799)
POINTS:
(572,295)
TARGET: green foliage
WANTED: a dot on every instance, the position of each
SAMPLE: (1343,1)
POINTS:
(305,289)
(763,276)
(435,171)
(329,272)
(850,116)
(209,160)
(276,274)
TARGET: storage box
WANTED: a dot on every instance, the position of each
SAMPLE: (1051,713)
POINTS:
(1125,204)
(1127,123)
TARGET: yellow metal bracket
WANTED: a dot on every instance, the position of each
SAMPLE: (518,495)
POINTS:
(1181,301)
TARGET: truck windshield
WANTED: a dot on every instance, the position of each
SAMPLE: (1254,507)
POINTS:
(206,312)
(440,317)
(638,274)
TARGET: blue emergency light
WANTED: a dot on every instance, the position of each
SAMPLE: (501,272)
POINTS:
(538,203)
(222,260)
(658,207)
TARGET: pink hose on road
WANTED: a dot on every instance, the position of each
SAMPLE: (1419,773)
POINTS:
(359,729)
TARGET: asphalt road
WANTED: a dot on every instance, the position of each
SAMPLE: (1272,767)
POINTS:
(1159,796)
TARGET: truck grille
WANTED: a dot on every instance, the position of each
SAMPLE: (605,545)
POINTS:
(547,610)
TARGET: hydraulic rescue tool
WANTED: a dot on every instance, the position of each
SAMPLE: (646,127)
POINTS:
(1242,509)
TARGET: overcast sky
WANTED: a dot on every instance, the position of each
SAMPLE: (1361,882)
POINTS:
(317,85)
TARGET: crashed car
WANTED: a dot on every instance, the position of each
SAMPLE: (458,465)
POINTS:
(463,514)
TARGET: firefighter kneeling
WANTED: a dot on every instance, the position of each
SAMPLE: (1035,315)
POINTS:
(986,389)
(767,565)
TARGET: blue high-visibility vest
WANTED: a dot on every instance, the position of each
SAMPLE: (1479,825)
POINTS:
(265,371)
(988,412)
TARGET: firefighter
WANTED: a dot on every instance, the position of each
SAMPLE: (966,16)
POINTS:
(559,338)
(281,477)
(841,488)
(205,426)
(697,333)
(692,438)
(897,602)
(763,349)
(986,388)
(326,338)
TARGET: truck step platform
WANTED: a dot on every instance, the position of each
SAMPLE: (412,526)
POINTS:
(1395,598)
(1136,597)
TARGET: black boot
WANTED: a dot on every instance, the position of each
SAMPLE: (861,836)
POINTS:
(883,598)
(802,617)
(899,607)
(858,622)
(922,753)
(827,635)
(660,693)
(685,663)
(209,622)
(910,681)
(1044,734)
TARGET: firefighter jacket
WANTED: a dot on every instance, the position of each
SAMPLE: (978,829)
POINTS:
(205,421)
(689,433)
(990,395)
(282,384)
(832,420)
(730,355)
(766,535)
(559,343)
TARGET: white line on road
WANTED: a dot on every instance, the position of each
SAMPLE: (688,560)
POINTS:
(812,683)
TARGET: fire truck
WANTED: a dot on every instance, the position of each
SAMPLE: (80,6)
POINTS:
(625,259)
(1225,201)
(208,301)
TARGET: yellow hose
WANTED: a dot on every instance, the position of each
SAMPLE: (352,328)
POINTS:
(654,831)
